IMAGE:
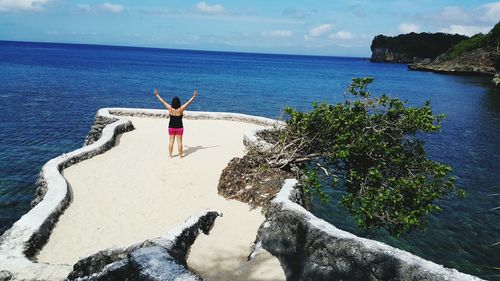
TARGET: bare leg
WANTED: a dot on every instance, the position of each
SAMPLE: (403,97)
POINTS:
(179,145)
(171,145)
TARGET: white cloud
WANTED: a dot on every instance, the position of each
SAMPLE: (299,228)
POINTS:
(342,35)
(453,13)
(320,30)
(112,8)
(484,14)
(490,12)
(408,27)
(468,30)
(22,5)
(278,33)
(205,8)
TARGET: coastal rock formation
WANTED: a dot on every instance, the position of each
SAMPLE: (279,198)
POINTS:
(411,47)
(496,80)
(479,55)
(100,122)
(159,259)
(311,249)
(476,62)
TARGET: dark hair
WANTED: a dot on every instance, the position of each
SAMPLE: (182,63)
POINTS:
(176,102)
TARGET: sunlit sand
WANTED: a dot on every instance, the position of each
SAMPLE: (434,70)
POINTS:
(135,192)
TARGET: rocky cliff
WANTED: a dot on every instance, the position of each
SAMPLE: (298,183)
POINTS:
(412,47)
(475,62)
(478,55)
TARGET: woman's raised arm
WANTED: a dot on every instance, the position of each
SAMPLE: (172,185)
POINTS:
(184,106)
(161,100)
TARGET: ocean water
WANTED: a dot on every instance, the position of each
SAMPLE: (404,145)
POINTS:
(49,94)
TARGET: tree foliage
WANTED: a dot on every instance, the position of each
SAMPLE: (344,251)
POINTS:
(369,147)
(421,45)
(491,40)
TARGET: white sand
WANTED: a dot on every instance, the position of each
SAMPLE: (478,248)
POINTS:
(135,192)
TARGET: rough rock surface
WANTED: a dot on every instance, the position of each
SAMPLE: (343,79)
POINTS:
(5,275)
(411,47)
(496,79)
(100,122)
(309,248)
(383,54)
(476,62)
(163,258)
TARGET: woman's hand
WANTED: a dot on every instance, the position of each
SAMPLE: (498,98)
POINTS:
(156,92)
(195,93)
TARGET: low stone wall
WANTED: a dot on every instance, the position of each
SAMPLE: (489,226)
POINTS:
(31,231)
(163,258)
(21,242)
(309,248)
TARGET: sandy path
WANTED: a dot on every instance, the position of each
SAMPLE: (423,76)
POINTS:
(135,192)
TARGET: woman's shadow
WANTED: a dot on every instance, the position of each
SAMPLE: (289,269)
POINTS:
(192,149)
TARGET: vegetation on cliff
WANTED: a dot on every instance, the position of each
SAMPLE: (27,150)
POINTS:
(478,55)
(491,40)
(414,45)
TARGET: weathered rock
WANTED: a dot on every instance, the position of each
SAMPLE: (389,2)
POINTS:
(476,62)
(40,190)
(309,248)
(383,54)
(411,47)
(496,79)
(5,275)
(154,264)
(162,258)
(100,122)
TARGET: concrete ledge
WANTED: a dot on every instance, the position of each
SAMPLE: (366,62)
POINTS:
(310,248)
(163,258)
(21,242)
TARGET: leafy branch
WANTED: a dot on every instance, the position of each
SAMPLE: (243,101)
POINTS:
(369,147)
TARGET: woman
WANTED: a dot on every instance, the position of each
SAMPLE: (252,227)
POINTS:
(175,127)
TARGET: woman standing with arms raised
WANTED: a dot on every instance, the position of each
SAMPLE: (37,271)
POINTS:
(175,126)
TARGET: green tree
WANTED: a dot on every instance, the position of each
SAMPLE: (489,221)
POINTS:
(368,146)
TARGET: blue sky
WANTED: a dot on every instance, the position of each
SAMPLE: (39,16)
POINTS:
(343,28)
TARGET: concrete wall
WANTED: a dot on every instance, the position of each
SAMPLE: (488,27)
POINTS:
(309,248)
(159,259)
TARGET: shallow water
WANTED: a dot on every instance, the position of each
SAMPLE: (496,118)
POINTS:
(49,94)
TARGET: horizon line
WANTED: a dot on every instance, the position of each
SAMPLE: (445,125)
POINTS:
(185,49)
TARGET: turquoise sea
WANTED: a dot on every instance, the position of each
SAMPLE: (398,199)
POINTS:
(49,94)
